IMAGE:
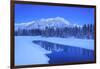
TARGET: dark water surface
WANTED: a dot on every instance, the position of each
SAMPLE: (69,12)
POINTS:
(65,54)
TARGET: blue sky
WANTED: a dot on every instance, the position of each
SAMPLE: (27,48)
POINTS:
(28,12)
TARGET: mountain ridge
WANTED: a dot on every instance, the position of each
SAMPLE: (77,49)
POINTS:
(57,22)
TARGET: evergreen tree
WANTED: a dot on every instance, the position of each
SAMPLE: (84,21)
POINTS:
(84,29)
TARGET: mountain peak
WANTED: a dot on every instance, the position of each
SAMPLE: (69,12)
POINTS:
(57,19)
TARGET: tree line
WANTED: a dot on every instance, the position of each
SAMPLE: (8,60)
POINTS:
(86,31)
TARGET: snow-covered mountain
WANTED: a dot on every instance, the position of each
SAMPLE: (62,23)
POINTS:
(57,22)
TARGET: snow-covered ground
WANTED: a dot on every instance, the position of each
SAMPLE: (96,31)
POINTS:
(27,52)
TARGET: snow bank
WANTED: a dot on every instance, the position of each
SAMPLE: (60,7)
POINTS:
(28,53)
(82,43)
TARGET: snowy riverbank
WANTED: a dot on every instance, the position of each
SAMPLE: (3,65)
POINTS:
(82,43)
(28,53)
